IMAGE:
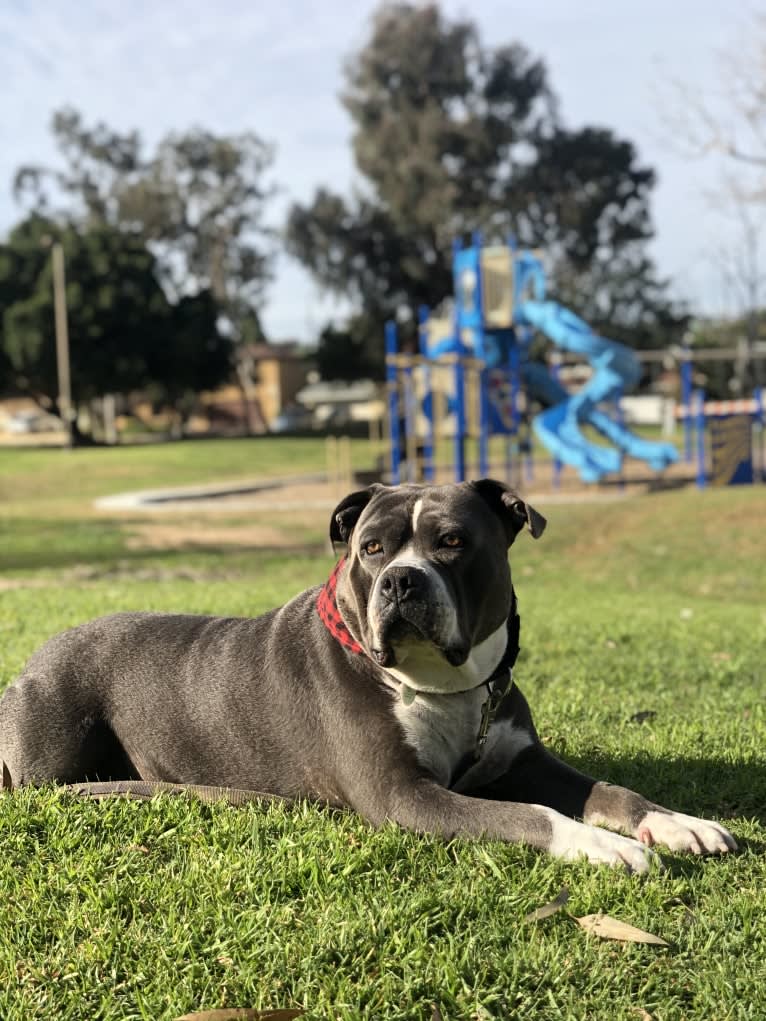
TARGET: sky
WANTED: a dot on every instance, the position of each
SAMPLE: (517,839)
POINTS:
(276,69)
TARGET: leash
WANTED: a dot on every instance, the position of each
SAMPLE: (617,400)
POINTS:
(146,789)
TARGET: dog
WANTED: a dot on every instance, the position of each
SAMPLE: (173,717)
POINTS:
(388,690)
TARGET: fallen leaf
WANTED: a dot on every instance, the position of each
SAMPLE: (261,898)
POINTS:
(241,1014)
(437,1014)
(643,1014)
(550,908)
(607,927)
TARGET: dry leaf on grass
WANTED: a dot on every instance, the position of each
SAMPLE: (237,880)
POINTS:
(550,908)
(241,1014)
(612,928)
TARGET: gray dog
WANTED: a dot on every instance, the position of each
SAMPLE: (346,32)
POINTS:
(388,690)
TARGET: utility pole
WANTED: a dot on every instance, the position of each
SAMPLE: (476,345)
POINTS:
(62,339)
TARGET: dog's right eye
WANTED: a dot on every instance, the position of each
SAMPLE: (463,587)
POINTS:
(372,548)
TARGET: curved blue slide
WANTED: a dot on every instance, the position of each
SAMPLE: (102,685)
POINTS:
(615,370)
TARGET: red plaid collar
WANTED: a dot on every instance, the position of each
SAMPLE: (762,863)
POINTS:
(327,608)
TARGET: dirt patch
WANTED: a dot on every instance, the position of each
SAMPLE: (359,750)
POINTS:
(161,535)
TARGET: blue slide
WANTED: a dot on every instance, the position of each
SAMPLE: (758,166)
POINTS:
(615,371)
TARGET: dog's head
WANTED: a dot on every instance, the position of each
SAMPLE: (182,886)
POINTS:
(427,586)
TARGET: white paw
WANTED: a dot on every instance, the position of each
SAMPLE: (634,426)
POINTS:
(571,840)
(685,833)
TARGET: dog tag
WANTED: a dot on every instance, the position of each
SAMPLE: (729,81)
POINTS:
(408,695)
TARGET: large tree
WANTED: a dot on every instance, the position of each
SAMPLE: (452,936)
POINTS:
(451,136)
(123,333)
(198,200)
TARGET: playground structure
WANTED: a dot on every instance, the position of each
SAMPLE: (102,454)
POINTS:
(472,377)
(727,436)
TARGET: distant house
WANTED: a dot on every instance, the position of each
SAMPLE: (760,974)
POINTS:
(336,404)
(269,377)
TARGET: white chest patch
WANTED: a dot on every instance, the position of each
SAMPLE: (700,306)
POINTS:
(422,667)
(443,729)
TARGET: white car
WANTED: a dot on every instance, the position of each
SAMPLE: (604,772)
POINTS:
(32,422)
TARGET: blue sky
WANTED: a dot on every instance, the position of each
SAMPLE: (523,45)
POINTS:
(275,68)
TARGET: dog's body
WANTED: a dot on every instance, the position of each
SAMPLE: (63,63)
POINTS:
(392,696)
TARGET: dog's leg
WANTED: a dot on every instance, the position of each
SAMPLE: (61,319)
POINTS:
(45,736)
(428,808)
(537,775)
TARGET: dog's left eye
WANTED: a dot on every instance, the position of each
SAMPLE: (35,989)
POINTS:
(372,547)
(451,541)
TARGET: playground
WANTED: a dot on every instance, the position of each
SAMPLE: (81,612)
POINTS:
(474,386)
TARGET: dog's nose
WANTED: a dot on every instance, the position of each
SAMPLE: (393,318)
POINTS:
(400,583)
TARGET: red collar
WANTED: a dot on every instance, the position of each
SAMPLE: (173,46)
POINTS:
(327,608)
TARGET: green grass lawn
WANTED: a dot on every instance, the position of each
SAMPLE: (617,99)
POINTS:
(125,910)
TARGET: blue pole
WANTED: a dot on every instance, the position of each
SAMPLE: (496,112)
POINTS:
(484,422)
(619,415)
(556,463)
(459,421)
(759,418)
(514,372)
(428,444)
(392,385)
(410,423)
(699,400)
(686,400)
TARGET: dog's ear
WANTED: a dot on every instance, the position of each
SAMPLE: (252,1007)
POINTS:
(514,512)
(346,514)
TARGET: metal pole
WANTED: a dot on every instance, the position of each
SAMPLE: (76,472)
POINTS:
(62,339)
(410,420)
(686,400)
(699,401)
(555,373)
(483,380)
(758,422)
(428,443)
(392,383)
(459,420)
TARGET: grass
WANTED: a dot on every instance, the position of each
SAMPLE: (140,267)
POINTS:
(124,910)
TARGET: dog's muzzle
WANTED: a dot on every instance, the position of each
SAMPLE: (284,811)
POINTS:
(407,606)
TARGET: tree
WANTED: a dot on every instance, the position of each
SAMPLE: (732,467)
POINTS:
(198,201)
(729,118)
(124,335)
(451,136)
(342,354)
(726,122)
(193,355)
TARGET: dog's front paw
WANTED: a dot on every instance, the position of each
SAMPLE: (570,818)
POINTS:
(573,840)
(684,833)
